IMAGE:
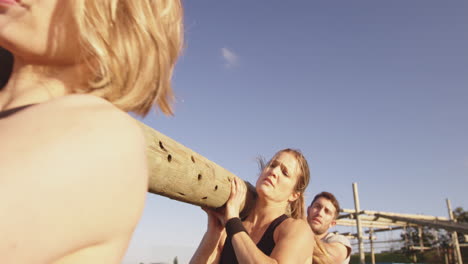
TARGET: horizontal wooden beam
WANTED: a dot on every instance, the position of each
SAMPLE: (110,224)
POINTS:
(373,224)
(415,216)
(418,248)
(370,220)
(439,224)
(395,219)
(386,229)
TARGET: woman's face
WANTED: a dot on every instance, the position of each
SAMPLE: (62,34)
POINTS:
(39,31)
(279,178)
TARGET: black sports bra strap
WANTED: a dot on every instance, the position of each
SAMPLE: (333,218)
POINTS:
(276,223)
(267,242)
(12,111)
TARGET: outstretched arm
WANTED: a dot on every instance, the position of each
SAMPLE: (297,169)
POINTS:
(210,247)
(337,251)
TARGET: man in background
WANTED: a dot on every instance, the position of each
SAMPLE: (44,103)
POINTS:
(321,215)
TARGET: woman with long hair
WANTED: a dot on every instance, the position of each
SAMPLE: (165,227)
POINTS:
(73,172)
(275,231)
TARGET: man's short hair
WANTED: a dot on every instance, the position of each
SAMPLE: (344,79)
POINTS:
(331,198)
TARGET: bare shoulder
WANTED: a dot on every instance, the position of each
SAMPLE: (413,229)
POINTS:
(299,225)
(294,229)
(75,120)
(294,242)
(338,247)
(88,110)
(84,130)
(75,169)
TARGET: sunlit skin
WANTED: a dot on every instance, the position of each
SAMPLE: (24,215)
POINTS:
(276,189)
(321,216)
(35,31)
(43,40)
(279,178)
(61,201)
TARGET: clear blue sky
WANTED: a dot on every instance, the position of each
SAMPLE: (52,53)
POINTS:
(373,92)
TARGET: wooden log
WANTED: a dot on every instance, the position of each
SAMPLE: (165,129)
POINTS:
(179,173)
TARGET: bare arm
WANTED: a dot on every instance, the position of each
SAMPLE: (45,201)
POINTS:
(294,238)
(337,251)
(209,250)
(247,251)
(72,176)
(294,244)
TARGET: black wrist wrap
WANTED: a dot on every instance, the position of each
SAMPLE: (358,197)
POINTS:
(234,226)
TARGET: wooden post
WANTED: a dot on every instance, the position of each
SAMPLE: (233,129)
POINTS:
(371,237)
(406,238)
(179,173)
(436,236)
(421,242)
(358,224)
(456,246)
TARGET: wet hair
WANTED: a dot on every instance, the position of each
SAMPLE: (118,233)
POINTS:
(331,198)
(296,208)
(130,48)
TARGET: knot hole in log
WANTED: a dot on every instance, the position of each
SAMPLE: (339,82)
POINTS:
(162,146)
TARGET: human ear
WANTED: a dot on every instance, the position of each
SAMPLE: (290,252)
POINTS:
(294,196)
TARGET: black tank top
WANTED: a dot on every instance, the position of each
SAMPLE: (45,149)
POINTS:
(12,111)
(266,243)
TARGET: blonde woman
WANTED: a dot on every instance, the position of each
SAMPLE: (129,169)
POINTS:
(73,174)
(275,231)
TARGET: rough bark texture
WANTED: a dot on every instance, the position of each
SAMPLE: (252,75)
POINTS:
(179,173)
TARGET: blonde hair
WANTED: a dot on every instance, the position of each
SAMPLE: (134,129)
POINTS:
(296,209)
(130,48)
